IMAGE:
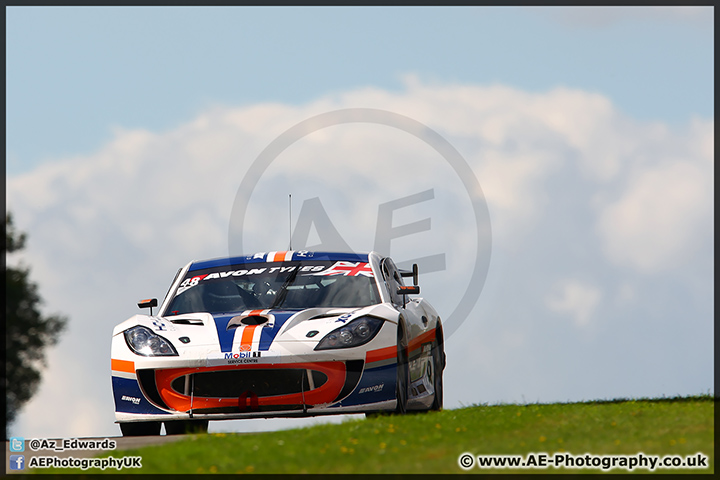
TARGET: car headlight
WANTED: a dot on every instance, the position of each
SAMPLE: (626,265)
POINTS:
(358,332)
(144,342)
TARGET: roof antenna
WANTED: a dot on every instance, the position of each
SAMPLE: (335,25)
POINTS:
(290,219)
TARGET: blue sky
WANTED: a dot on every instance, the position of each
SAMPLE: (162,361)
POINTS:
(590,131)
(74,73)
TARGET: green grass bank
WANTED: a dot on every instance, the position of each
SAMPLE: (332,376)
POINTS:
(433,442)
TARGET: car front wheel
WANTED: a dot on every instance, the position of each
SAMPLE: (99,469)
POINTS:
(140,429)
(180,427)
(438,365)
(403,373)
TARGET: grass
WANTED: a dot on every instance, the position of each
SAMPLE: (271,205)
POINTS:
(432,442)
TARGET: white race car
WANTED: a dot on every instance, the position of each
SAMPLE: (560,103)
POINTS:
(293,333)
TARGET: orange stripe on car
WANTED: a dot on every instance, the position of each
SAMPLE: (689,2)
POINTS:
(122,365)
(419,341)
(391,352)
(247,338)
(380,354)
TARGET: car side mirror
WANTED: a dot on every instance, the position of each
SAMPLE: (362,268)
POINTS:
(408,290)
(414,274)
(148,303)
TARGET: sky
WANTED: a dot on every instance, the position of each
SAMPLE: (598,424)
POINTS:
(589,130)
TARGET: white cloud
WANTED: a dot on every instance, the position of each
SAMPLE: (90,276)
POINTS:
(68,401)
(663,215)
(576,299)
(563,172)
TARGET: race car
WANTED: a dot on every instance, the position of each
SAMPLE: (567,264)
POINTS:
(278,334)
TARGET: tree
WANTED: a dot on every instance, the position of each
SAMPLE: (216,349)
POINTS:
(28,332)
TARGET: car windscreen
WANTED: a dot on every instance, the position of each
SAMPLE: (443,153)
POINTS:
(289,285)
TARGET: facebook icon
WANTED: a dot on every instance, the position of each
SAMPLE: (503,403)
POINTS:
(17,462)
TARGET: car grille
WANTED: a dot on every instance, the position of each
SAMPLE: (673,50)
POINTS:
(250,389)
(263,383)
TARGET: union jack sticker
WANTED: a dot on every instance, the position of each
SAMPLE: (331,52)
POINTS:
(348,269)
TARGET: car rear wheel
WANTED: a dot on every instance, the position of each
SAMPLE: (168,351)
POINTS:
(140,429)
(403,373)
(438,365)
(180,427)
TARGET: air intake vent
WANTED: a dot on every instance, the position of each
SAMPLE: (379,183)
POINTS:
(264,383)
(250,320)
(254,320)
(186,321)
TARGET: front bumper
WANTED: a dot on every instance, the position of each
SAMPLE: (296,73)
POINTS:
(274,389)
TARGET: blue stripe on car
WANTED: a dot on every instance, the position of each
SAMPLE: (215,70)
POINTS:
(376,385)
(297,257)
(225,336)
(268,334)
(130,399)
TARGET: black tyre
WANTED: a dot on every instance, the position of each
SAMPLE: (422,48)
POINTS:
(438,365)
(181,427)
(140,429)
(403,373)
(375,414)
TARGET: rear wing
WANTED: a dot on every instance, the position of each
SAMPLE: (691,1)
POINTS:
(411,273)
